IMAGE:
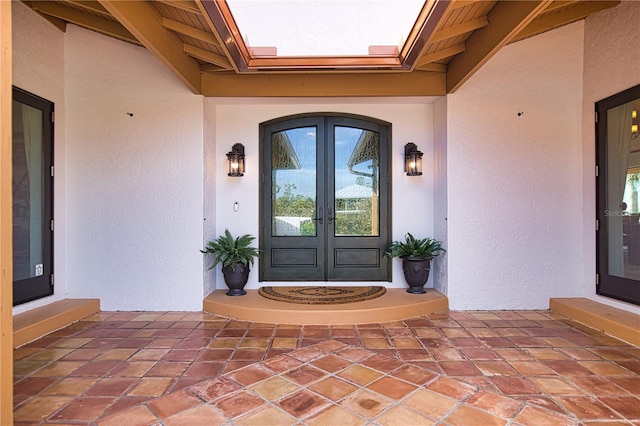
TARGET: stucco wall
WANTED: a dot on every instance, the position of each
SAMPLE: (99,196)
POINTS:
(38,67)
(134,183)
(440,204)
(209,193)
(515,194)
(611,64)
(237,120)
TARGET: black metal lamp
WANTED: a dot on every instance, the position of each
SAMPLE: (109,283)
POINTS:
(236,160)
(412,160)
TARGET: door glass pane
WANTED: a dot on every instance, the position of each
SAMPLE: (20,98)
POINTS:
(293,181)
(623,174)
(28,192)
(356,182)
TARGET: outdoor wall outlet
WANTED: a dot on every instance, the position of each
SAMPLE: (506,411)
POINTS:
(39,269)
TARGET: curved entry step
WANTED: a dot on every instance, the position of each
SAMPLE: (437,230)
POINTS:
(395,305)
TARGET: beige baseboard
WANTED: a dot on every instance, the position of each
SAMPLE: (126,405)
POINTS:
(41,321)
(613,321)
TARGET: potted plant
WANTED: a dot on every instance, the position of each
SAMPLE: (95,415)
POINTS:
(236,255)
(416,255)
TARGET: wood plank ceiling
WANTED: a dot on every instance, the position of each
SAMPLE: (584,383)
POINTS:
(181,34)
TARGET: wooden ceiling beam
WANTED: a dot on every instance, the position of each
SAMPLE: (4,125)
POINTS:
(462,28)
(554,20)
(433,68)
(187,6)
(85,20)
(458,4)
(507,19)
(92,6)
(211,68)
(192,32)
(205,55)
(215,31)
(440,55)
(339,85)
(56,22)
(559,4)
(144,21)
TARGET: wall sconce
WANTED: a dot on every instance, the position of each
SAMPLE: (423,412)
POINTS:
(236,160)
(412,160)
(634,124)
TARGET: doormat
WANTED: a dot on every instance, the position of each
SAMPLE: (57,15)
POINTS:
(322,295)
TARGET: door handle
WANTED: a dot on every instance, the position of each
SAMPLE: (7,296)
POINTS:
(320,217)
(330,211)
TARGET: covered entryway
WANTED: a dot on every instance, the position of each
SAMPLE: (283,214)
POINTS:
(325,198)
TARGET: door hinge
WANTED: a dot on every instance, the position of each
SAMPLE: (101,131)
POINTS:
(51,280)
(53,116)
(51,224)
(597,171)
(597,279)
(596,116)
(51,171)
(597,225)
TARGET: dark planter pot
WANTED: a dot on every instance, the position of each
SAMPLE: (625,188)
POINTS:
(416,273)
(236,280)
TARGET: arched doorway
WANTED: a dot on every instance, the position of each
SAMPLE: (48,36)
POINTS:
(325,198)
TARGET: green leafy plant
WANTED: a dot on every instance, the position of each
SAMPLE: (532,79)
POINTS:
(229,250)
(415,248)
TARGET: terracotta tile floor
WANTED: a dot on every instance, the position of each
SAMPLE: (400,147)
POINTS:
(455,368)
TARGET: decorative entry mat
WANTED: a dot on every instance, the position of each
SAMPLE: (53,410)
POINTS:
(322,295)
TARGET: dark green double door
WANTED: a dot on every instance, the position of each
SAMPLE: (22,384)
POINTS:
(325,200)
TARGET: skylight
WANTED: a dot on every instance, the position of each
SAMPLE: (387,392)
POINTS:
(324,34)
(325,27)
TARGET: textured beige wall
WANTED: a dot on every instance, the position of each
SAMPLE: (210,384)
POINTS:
(514,175)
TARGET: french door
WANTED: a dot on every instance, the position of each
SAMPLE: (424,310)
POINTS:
(618,184)
(32,181)
(325,199)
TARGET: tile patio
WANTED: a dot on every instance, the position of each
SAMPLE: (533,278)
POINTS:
(454,368)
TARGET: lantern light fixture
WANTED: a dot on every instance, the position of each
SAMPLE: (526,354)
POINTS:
(412,160)
(236,160)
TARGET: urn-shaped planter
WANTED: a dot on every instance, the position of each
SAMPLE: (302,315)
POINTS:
(236,256)
(416,255)
(416,273)
(236,279)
